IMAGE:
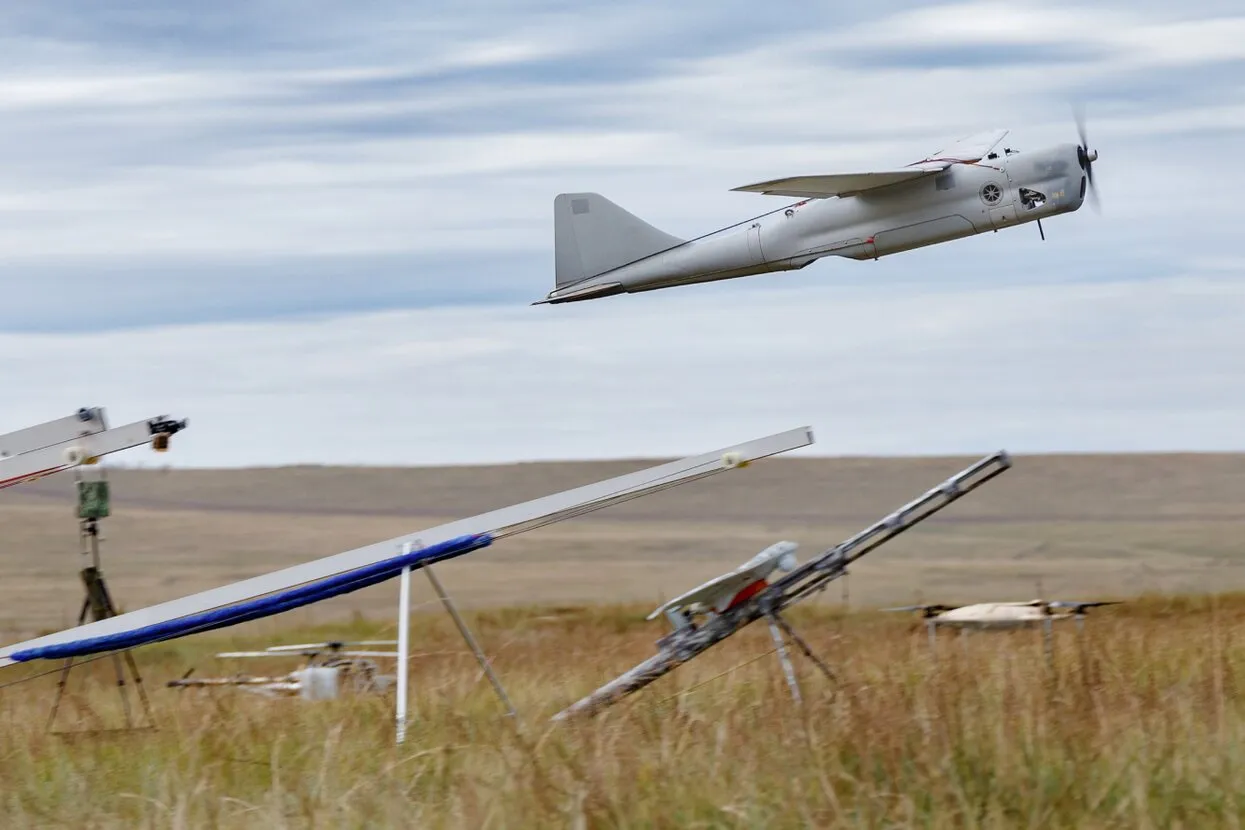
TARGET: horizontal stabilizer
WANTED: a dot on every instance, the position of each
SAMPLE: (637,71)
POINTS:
(601,289)
(838,184)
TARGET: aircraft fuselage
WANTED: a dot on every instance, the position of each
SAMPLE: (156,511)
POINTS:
(996,615)
(966,199)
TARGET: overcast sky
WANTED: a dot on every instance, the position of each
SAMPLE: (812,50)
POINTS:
(314,227)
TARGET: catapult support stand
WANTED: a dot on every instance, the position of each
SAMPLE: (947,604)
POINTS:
(404,599)
(93,505)
(1048,644)
(785,660)
(404,633)
(471,641)
(777,628)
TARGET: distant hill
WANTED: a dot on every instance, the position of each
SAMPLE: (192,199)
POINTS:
(1081,525)
(1148,487)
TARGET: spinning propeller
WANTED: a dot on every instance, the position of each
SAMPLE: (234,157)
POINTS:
(1086,157)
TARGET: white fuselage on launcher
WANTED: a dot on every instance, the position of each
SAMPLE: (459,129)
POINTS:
(965,189)
(728,590)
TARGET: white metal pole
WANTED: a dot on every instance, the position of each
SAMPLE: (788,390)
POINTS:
(404,625)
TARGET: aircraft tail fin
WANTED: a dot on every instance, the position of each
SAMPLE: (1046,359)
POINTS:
(592,235)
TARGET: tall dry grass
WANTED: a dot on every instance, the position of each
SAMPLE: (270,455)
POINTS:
(1140,724)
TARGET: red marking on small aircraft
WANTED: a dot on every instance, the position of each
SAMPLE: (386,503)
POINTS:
(748,593)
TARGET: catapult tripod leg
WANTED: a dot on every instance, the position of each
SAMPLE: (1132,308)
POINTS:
(60,692)
(1048,644)
(471,641)
(64,679)
(785,660)
(808,652)
(142,690)
(125,699)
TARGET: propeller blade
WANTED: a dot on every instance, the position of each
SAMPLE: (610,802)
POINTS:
(1087,156)
(1078,114)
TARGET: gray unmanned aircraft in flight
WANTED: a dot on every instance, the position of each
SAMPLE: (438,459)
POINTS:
(964,189)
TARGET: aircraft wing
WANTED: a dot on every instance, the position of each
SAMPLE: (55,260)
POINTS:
(318,579)
(966,149)
(840,184)
(732,582)
(969,148)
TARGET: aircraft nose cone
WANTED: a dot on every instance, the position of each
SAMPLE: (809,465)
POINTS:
(1092,155)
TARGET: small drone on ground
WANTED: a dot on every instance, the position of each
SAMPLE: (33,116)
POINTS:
(1003,616)
(329,668)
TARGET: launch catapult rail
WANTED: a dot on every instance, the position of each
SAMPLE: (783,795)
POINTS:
(682,645)
(82,438)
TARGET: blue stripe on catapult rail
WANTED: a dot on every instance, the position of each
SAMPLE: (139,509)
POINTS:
(262,607)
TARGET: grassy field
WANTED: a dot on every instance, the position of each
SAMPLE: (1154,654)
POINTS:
(1140,724)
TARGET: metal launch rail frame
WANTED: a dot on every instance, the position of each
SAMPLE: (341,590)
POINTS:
(804,581)
(81,438)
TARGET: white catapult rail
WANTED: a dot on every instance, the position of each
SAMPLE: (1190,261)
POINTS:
(802,582)
(81,438)
(190,614)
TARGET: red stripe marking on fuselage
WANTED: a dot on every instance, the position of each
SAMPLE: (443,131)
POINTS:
(9,482)
(748,593)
